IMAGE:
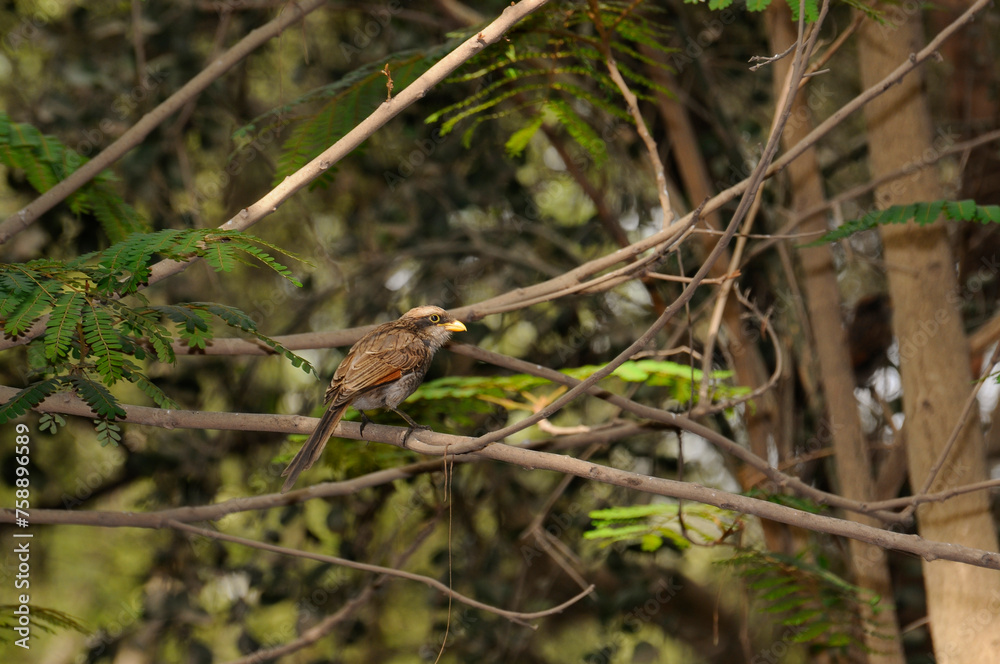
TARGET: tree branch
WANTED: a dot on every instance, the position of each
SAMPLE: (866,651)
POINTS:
(27,215)
(518,617)
(535,460)
(269,203)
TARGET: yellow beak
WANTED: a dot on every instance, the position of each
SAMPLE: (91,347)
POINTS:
(454,326)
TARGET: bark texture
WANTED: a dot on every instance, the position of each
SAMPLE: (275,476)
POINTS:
(963,602)
(853,460)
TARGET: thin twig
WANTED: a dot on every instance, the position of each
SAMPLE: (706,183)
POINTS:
(765,60)
(27,215)
(960,425)
(927,549)
(803,50)
(652,150)
(270,202)
(518,617)
(314,633)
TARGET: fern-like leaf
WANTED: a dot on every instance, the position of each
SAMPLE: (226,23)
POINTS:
(45,161)
(922,213)
(108,433)
(30,309)
(62,323)
(97,397)
(241,321)
(150,389)
(104,341)
(51,422)
(191,323)
(27,398)
(824,609)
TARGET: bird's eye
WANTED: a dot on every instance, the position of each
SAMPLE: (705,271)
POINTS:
(434,318)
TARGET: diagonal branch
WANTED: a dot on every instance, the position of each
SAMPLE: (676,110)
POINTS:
(389,109)
(27,215)
(749,196)
(632,102)
(518,617)
(534,460)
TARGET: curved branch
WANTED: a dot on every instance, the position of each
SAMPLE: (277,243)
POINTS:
(518,617)
(534,460)
(437,444)
(313,634)
(27,215)
(389,109)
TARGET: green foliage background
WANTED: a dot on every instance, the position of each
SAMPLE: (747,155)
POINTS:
(460,199)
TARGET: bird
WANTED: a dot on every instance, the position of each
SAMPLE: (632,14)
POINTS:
(384,367)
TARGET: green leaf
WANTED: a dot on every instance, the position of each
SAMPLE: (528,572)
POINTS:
(519,140)
(801,617)
(45,161)
(929,213)
(148,388)
(651,543)
(27,398)
(778,593)
(51,422)
(62,323)
(97,397)
(104,341)
(811,632)
(921,213)
(30,309)
(627,512)
(108,433)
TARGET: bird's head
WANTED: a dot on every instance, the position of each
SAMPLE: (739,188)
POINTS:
(434,323)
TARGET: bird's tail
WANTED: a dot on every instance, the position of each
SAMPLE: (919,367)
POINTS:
(313,447)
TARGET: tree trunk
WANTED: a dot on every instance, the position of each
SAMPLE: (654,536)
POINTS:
(854,473)
(750,369)
(962,601)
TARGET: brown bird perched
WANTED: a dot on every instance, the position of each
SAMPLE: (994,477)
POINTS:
(383,368)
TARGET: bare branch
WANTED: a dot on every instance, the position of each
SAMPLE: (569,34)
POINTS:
(250,215)
(293,13)
(652,150)
(535,460)
(518,617)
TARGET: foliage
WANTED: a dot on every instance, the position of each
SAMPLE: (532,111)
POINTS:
(922,213)
(811,7)
(93,339)
(45,160)
(674,524)
(824,610)
(552,69)
(343,105)
(45,618)
(680,380)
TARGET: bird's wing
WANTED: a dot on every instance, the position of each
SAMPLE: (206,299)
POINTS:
(380,358)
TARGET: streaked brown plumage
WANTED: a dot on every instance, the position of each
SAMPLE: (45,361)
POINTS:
(383,368)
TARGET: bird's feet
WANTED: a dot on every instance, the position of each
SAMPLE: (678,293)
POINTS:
(409,431)
(364,422)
